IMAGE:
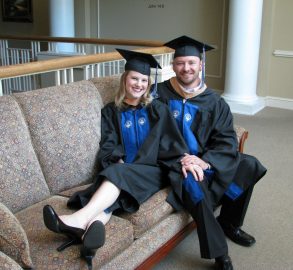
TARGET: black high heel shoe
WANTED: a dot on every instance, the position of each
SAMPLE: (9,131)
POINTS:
(93,239)
(55,224)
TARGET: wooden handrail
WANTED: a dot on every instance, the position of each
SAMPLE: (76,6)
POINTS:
(68,62)
(121,42)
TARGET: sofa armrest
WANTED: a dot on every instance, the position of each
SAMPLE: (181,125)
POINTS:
(8,263)
(13,239)
(242,135)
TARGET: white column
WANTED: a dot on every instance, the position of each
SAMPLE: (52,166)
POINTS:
(243,56)
(62,22)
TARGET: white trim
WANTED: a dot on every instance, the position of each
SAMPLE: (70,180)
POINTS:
(262,102)
(281,53)
(246,108)
(99,19)
(278,102)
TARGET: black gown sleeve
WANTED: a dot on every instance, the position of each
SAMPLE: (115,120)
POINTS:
(111,148)
(221,148)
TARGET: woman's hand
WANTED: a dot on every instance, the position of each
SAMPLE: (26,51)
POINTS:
(194,160)
(196,171)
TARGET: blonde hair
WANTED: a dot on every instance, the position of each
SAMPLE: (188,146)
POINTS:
(121,93)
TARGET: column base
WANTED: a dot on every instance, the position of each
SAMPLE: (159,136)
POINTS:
(247,108)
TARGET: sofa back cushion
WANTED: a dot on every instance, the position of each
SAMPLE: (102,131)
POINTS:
(107,87)
(21,179)
(64,122)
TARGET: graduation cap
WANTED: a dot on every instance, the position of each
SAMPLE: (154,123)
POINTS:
(186,46)
(142,63)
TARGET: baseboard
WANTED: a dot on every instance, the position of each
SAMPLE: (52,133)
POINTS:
(269,101)
(277,102)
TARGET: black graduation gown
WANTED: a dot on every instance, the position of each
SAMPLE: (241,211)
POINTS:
(160,152)
(213,129)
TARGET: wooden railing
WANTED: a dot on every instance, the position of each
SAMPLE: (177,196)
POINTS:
(44,43)
(126,42)
(68,62)
(28,76)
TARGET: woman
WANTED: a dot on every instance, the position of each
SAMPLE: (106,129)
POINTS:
(140,145)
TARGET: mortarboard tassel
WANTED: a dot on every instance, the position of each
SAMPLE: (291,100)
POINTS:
(203,66)
(155,92)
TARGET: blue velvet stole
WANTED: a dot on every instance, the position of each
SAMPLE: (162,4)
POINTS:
(184,114)
(135,128)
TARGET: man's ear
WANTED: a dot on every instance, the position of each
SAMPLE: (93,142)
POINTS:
(200,65)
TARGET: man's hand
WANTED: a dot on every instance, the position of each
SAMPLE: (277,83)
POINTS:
(194,160)
(196,171)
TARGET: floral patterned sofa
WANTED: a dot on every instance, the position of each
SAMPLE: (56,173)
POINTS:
(49,143)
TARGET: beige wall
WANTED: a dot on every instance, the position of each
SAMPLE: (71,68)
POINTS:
(275,73)
(163,20)
(203,19)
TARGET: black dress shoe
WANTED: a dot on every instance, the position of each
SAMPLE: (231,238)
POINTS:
(237,235)
(93,239)
(223,263)
(55,224)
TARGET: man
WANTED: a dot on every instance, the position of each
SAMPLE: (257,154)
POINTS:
(220,174)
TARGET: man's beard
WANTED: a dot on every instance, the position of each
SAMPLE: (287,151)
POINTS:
(187,84)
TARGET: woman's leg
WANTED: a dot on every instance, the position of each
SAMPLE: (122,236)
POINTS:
(103,217)
(103,198)
(94,237)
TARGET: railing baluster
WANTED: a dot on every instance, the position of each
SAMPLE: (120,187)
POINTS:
(1,89)
(65,81)
(71,76)
(38,46)
(85,73)
(98,69)
(2,52)
(5,53)
(57,77)
(33,49)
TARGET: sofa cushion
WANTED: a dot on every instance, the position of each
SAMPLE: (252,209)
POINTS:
(43,243)
(150,212)
(13,239)
(7,263)
(20,172)
(64,122)
(150,242)
(107,87)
